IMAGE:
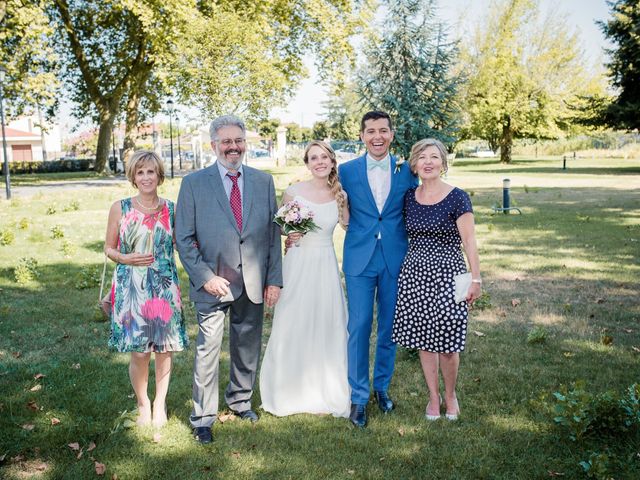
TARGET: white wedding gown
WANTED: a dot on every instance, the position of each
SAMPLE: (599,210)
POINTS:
(304,369)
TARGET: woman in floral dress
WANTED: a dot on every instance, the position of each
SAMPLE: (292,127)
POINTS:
(146,312)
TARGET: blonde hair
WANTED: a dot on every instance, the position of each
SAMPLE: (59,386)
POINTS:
(421,145)
(333,181)
(144,156)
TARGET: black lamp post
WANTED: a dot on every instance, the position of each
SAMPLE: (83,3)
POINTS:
(179,151)
(170,108)
(7,180)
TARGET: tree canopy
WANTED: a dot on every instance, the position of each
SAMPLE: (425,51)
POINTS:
(623,29)
(525,71)
(409,73)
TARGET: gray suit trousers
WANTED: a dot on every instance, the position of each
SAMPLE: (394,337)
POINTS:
(245,341)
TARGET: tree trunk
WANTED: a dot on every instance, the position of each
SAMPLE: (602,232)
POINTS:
(104,141)
(506,141)
(131,127)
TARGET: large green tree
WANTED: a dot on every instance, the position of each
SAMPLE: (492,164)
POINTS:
(247,57)
(525,71)
(111,50)
(409,73)
(27,56)
(623,30)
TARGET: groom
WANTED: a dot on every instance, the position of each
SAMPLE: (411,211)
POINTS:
(374,247)
(230,248)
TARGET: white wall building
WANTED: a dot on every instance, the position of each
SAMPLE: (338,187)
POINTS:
(26,142)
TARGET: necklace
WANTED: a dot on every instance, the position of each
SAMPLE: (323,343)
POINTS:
(147,208)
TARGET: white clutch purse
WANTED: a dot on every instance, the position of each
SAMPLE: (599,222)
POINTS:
(462,284)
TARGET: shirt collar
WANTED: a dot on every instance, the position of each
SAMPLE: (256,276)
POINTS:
(224,170)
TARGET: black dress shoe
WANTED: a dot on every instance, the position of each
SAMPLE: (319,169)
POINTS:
(384,402)
(202,434)
(247,415)
(358,415)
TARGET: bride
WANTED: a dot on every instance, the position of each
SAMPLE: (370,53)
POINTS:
(304,369)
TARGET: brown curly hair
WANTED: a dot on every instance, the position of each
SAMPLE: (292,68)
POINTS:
(333,181)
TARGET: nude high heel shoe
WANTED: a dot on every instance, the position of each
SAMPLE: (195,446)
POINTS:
(452,417)
(432,418)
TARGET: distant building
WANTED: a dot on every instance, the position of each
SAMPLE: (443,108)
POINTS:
(26,141)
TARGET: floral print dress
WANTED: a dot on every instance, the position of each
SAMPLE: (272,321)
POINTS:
(146,313)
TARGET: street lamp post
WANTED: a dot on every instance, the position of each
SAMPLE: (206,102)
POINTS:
(170,108)
(7,179)
(179,152)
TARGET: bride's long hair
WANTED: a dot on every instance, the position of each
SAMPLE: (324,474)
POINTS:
(333,181)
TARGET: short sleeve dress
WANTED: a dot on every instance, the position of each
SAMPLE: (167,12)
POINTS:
(427,316)
(146,313)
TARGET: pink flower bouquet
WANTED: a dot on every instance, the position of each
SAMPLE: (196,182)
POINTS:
(294,217)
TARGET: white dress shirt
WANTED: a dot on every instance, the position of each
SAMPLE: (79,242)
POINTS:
(380,182)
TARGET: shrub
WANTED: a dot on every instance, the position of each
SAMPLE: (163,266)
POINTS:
(57,232)
(537,334)
(67,248)
(23,224)
(606,414)
(88,277)
(26,270)
(51,209)
(6,237)
(72,206)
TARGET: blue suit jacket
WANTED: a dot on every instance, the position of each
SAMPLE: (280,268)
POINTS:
(365,221)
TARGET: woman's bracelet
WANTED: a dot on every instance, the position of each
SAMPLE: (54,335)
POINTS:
(476,280)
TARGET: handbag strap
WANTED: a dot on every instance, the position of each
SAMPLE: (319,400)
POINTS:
(104,271)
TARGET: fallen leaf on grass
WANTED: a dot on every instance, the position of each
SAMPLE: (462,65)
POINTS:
(17,458)
(515,302)
(79,455)
(351,472)
(382,459)
(74,446)
(16,354)
(55,421)
(91,446)
(628,330)
(32,405)
(635,349)
(607,340)
(600,300)
(114,477)
(235,454)
(28,426)
(477,379)
(226,416)
(42,467)
(478,334)
(100,468)
(38,376)
(401,432)
(2,457)
(568,354)
(76,366)
(35,388)
(65,336)
(555,474)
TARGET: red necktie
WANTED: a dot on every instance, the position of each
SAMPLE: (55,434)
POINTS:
(235,200)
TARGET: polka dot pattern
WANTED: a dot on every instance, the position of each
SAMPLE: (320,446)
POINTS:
(427,316)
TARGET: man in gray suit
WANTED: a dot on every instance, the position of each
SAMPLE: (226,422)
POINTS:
(230,248)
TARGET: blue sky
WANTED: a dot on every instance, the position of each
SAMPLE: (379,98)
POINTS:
(306,107)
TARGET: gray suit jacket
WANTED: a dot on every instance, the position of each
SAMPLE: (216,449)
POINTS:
(209,242)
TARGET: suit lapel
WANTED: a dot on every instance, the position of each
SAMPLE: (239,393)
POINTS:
(218,191)
(247,196)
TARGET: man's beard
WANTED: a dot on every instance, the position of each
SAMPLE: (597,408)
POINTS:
(230,165)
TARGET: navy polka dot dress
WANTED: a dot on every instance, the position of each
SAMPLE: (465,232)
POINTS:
(427,317)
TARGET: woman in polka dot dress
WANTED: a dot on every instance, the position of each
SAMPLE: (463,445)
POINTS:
(439,219)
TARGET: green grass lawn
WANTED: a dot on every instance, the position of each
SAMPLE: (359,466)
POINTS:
(567,267)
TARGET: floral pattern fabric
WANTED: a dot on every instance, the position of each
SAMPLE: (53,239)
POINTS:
(146,312)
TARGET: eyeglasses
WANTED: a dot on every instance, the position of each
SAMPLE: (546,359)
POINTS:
(227,142)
